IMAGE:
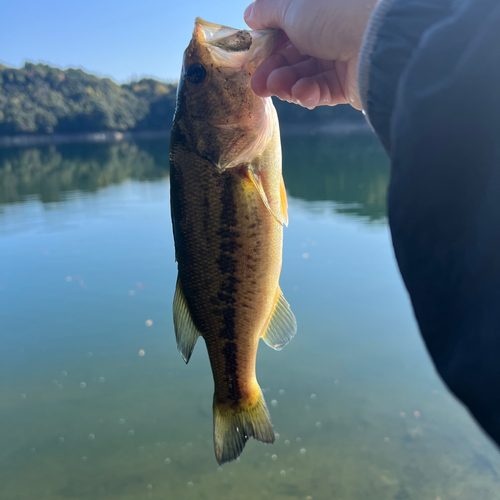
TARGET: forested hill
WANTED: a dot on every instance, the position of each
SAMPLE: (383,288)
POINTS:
(40,99)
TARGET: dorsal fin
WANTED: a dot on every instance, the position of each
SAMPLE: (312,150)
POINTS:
(186,332)
(282,325)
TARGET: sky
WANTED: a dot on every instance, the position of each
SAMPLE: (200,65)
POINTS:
(121,39)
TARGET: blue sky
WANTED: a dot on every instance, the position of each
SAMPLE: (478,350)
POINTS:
(116,38)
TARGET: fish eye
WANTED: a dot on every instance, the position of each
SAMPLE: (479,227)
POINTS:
(196,73)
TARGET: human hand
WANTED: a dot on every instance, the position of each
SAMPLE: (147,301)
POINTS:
(316,65)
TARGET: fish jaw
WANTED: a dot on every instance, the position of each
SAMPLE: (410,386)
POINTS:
(205,32)
(252,47)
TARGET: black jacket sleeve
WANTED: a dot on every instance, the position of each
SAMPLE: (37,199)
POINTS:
(430,83)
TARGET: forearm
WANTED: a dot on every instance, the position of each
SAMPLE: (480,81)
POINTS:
(429,80)
(394,32)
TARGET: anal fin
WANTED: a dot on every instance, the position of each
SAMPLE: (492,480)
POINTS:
(282,325)
(186,332)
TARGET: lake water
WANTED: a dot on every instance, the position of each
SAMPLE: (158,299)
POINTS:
(96,403)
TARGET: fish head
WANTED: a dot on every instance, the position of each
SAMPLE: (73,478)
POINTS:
(218,113)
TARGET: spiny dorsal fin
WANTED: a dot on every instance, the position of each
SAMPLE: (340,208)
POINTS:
(234,425)
(257,182)
(282,326)
(186,333)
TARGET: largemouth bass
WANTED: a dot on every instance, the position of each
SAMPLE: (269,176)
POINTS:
(229,206)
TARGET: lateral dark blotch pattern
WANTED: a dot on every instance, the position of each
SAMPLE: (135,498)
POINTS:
(226,261)
(228,331)
(224,232)
(230,352)
(229,246)
(206,213)
(227,264)
(226,298)
(229,285)
(228,216)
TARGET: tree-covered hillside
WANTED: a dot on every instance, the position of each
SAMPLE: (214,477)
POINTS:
(40,99)
(43,100)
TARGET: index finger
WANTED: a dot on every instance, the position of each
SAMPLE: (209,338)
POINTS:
(286,55)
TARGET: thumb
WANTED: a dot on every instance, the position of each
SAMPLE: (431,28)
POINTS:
(351,90)
(264,14)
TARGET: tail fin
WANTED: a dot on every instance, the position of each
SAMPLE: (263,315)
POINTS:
(234,425)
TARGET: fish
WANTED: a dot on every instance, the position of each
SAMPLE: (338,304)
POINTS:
(228,207)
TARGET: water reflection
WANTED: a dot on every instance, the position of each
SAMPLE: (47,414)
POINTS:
(50,171)
(351,172)
(96,402)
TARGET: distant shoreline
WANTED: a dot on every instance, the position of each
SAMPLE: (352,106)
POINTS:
(16,141)
(337,127)
(19,141)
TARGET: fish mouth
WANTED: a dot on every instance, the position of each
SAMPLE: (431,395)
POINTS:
(225,42)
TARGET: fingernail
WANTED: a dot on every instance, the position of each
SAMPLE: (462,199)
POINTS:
(248,13)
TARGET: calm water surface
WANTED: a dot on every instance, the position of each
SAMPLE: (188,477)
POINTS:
(96,403)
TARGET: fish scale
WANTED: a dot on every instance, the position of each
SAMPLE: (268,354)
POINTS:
(223,262)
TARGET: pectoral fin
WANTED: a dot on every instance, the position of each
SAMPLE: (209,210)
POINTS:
(257,182)
(284,202)
(282,326)
(186,332)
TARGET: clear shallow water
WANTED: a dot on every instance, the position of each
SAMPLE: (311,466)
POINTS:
(86,258)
